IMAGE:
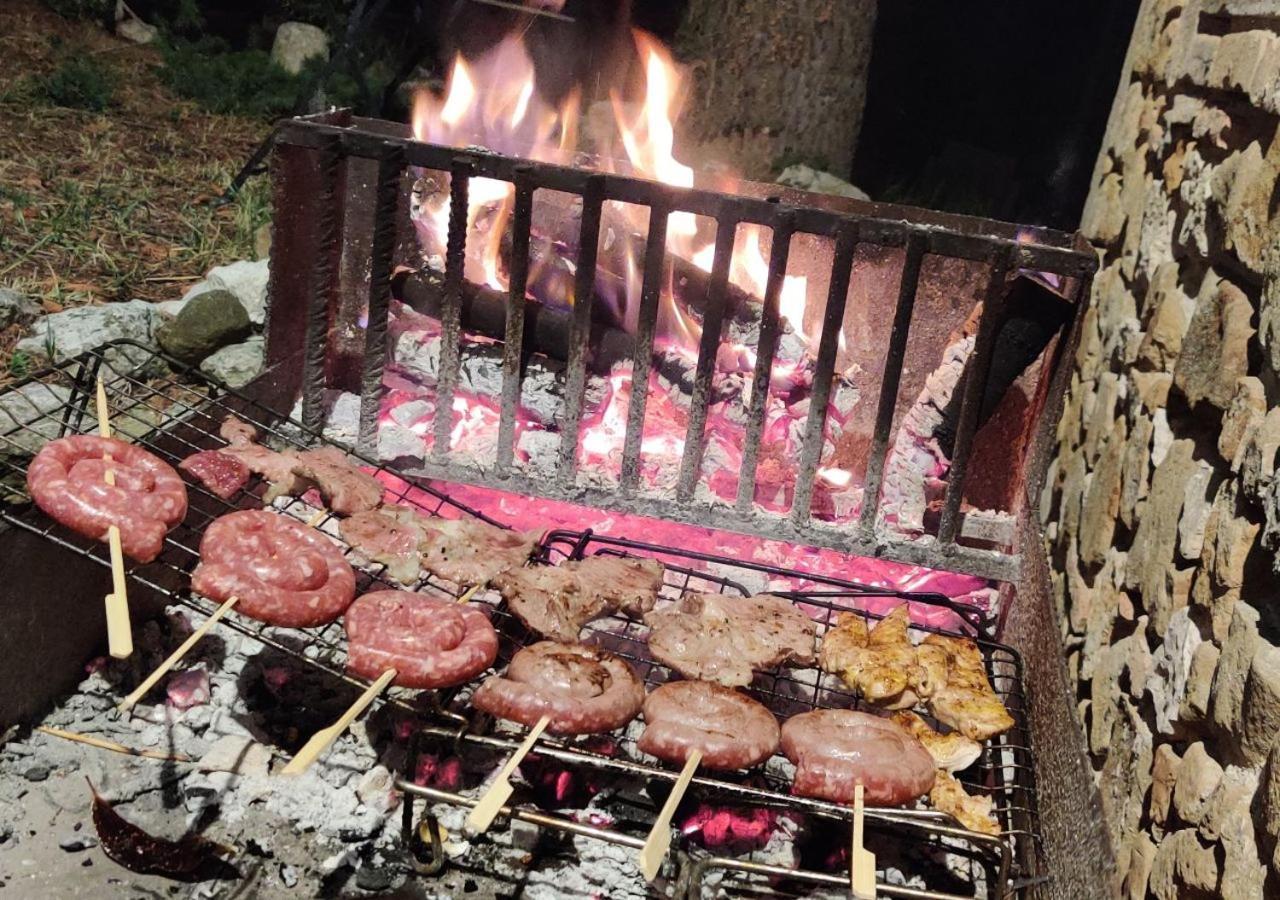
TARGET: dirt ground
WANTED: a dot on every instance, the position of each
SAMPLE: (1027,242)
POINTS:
(104,206)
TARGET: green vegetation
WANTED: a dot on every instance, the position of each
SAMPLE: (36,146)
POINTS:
(80,83)
(243,82)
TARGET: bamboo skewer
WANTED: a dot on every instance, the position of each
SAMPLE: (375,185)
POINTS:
(141,691)
(119,628)
(324,738)
(484,812)
(862,862)
(469,593)
(659,840)
(104,744)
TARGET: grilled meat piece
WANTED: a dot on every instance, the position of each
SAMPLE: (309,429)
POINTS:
(221,473)
(583,690)
(391,535)
(556,601)
(834,749)
(471,551)
(880,664)
(275,467)
(346,488)
(967,701)
(952,751)
(975,813)
(732,730)
(725,639)
(430,643)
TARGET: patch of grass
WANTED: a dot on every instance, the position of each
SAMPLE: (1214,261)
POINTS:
(244,82)
(98,10)
(79,83)
(20,364)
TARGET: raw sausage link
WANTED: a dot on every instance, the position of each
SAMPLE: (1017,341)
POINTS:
(283,572)
(67,480)
(732,730)
(430,643)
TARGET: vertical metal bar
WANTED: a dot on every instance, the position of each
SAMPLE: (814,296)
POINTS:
(642,360)
(513,349)
(889,384)
(975,383)
(580,330)
(765,347)
(816,422)
(712,323)
(451,307)
(381,250)
(320,290)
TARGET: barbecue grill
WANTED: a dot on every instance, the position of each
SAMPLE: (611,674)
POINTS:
(341,204)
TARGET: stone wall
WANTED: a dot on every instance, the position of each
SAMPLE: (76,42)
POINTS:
(1162,508)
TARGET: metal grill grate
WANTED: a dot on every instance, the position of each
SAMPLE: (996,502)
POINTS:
(176,416)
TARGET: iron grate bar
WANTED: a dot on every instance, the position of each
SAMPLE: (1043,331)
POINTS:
(319,295)
(816,421)
(894,358)
(712,325)
(642,359)
(522,222)
(381,251)
(580,330)
(451,308)
(779,252)
(974,381)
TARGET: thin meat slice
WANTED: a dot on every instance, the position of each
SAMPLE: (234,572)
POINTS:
(67,479)
(725,639)
(284,572)
(582,689)
(222,474)
(732,730)
(390,535)
(470,551)
(275,467)
(346,489)
(556,601)
(834,749)
(430,643)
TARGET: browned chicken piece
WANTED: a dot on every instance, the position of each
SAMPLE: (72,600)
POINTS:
(952,751)
(880,663)
(930,673)
(975,813)
(967,702)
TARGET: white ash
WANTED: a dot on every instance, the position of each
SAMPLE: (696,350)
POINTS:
(411,412)
(396,442)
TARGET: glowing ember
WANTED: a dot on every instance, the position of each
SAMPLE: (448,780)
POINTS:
(734,830)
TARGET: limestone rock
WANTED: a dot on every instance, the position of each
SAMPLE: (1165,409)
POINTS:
(1269,795)
(1256,458)
(134,29)
(1229,678)
(63,335)
(1172,670)
(1260,708)
(1195,702)
(1104,216)
(1151,389)
(237,364)
(1161,436)
(1105,694)
(1164,777)
(16,308)
(1163,340)
(1198,777)
(25,423)
(210,320)
(1141,854)
(1126,774)
(1153,546)
(1215,351)
(247,279)
(1183,867)
(1249,194)
(1135,470)
(1247,407)
(1196,192)
(296,43)
(1229,820)
(807,178)
(1101,505)
(1196,505)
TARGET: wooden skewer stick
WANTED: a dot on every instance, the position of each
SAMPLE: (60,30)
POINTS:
(658,843)
(104,744)
(141,691)
(484,812)
(862,862)
(119,628)
(324,738)
(469,593)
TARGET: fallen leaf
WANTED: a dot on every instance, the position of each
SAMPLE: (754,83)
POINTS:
(188,858)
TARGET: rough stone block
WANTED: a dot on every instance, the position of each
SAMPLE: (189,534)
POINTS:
(1183,867)
(1152,554)
(1215,351)
(1260,707)
(1233,670)
(1248,406)
(1198,778)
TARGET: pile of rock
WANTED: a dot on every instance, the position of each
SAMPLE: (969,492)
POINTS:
(215,326)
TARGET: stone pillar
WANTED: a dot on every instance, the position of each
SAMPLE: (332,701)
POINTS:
(775,82)
(1162,508)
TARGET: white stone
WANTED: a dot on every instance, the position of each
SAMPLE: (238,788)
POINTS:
(1172,666)
(25,424)
(237,754)
(247,279)
(397,442)
(63,335)
(296,43)
(1161,437)
(807,178)
(236,365)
